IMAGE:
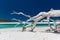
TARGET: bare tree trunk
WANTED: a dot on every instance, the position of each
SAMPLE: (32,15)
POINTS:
(48,18)
(34,25)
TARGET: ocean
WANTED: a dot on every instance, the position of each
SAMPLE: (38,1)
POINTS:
(22,25)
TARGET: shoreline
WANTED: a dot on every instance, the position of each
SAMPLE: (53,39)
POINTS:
(20,28)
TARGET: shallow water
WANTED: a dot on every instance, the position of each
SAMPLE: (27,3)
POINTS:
(22,25)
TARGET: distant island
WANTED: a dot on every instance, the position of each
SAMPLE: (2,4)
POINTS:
(5,20)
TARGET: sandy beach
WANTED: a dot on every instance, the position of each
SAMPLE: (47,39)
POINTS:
(16,34)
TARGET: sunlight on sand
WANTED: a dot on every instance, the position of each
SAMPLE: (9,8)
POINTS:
(16,34)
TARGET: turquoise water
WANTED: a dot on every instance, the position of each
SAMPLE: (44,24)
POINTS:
(21,25)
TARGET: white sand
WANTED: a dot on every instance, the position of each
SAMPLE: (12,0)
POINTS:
(16,34)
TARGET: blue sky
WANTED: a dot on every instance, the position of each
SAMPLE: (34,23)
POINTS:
(29,7)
